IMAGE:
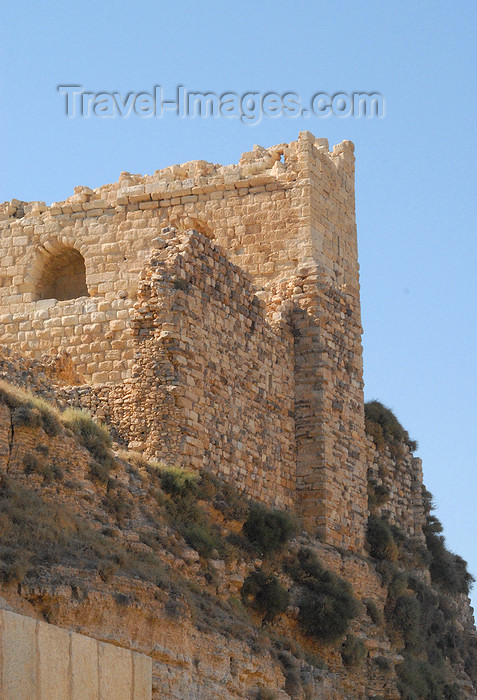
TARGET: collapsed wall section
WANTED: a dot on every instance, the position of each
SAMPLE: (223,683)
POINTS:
(206,348)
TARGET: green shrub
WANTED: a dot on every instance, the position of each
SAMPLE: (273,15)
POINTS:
(123,599)
(418,680)
(398,585)
(202,537)
(383,663)
(406,617)
(116,502)
(326,604)
(373,611)
(387,570)
(384,427)
(177,481)
(353,651)
(268,530)
(381,539)
(188,517)
(265,593)
(265,694)
(447,570)
(33,465)
(377,495)
(26,416)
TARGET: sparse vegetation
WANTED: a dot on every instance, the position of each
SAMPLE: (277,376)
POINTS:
(95,437)
(32,464)
(36,534)
(166,505)
(225,497)
(184,511)
(30,410)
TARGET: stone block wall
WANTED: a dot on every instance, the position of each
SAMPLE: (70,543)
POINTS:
(39,661)
(252,209)
(204,336)
(399,476)
(92,330)
(331,445)
(212,381)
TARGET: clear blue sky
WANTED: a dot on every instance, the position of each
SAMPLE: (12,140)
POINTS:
(415,177)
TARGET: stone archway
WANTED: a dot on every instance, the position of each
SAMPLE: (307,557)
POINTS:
(62,276)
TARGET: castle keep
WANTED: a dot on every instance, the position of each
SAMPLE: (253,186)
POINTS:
(212,314)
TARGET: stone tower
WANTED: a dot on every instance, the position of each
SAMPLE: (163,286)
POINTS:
(213,314)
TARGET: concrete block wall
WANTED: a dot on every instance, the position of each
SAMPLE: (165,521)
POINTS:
(39,661)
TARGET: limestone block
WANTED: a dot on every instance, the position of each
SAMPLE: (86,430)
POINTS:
(84,668)
(142,675)
(54,656)
(115,673)
(19,660)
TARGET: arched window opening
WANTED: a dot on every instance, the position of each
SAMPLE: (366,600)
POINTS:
(63,276)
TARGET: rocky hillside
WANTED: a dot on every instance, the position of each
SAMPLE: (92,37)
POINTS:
(230,600)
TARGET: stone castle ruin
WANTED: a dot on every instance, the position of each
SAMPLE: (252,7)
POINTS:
(212,315)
